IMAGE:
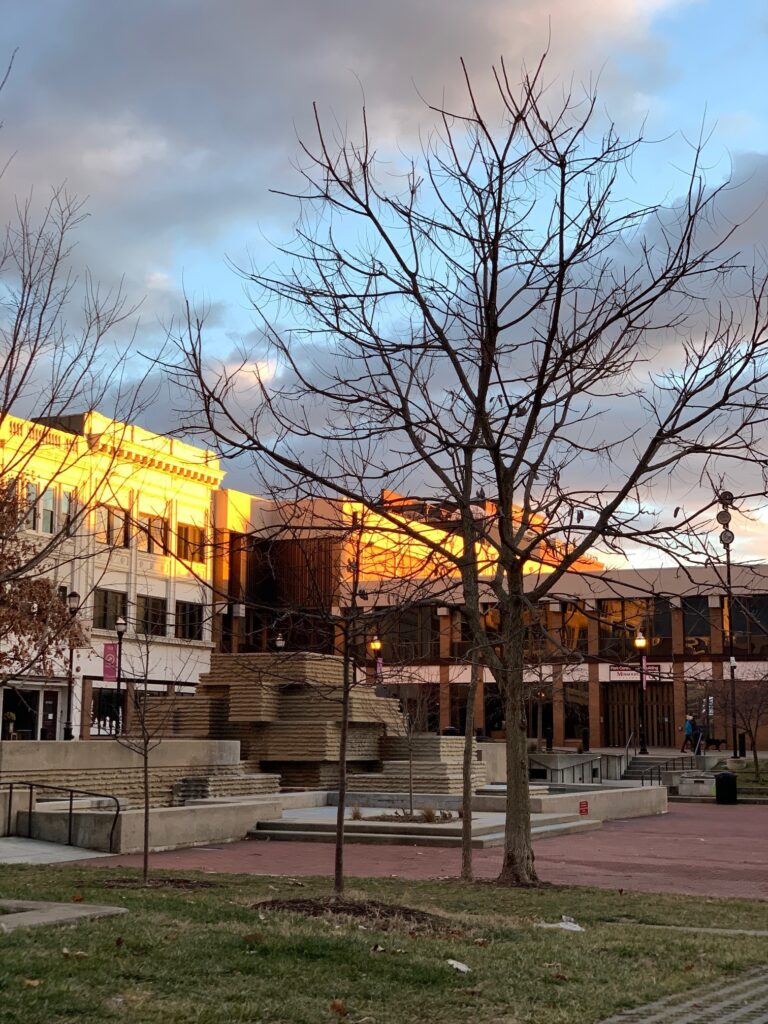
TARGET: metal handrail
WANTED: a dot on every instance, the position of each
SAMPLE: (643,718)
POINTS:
(59,789)
(626,745)
(569,768)
(665,766)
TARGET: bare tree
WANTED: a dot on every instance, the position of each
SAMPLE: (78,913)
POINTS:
(751,706)
(496,328)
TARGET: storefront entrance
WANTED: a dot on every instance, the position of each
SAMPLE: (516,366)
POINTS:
(621,712)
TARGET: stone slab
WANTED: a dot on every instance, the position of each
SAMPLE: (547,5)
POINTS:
(34,914)
(18,850)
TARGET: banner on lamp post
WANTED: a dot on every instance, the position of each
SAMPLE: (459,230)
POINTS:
(109,663)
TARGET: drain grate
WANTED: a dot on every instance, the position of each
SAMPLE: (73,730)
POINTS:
(745,1001)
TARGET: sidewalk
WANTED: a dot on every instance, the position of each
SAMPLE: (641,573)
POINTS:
(696,849)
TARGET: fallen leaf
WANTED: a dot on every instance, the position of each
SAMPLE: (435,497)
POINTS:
(119,941)
(251,940)
(31,982)
(481,942)
(77,898)
(560,977)
(457,965)
(377,948)
(337,1006)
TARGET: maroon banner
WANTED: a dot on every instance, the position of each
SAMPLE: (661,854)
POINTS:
(109,666)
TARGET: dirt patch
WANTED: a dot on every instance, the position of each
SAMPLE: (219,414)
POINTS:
(159,883)
(373,912)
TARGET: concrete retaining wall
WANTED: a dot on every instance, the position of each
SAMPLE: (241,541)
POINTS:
(169,827)
(19,760)
(605,805)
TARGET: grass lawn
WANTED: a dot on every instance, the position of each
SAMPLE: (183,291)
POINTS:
(206,956)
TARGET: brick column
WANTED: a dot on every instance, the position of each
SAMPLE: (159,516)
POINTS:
(86,700)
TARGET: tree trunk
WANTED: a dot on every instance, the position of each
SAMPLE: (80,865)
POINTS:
(338,878)
(410,772)
(755,757)
(517,866)
(145,767)
(466,780)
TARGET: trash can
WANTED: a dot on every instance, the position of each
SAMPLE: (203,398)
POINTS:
(725,788)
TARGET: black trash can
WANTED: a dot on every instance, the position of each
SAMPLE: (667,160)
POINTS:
(725,788)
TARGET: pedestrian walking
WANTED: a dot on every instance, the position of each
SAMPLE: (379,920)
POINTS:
(688,737)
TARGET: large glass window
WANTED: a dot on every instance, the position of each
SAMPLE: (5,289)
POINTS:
(574,631)
(696,627)
(620,619)
(750,624)
(151,615)
(108,606)
(412,635)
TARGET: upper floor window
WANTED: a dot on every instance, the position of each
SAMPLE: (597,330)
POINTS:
(190,543)
(696,625)
(620,619)
(112,526)
(153,535)
(41,509)
(108,606)
(749,623)
(574,630)
(151,615)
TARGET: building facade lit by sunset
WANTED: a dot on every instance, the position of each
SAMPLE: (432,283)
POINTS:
(125,514)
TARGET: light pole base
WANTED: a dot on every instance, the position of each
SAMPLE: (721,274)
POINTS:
(68,733)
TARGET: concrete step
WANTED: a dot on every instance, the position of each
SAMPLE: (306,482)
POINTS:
(321,832)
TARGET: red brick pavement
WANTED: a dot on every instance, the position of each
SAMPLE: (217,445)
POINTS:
(696,849)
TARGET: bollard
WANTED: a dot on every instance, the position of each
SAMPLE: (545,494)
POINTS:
(585,741)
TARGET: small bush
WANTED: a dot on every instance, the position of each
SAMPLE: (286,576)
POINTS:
(357,814)
(429,815)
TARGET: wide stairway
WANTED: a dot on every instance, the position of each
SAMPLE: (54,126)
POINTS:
(641,764)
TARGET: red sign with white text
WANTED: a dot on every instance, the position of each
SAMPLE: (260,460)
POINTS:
(109,663)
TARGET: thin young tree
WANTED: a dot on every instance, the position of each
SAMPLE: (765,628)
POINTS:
(496,326)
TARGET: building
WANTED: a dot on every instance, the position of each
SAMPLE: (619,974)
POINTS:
(286,577)
(122,517)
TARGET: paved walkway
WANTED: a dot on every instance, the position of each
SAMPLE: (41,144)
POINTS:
(16,850)
(696,849)
(744,1001)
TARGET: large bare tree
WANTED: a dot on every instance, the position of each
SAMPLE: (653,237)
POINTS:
(494,326)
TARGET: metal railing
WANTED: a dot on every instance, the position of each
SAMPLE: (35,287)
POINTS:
(32,786)
(670,765)
(577,766)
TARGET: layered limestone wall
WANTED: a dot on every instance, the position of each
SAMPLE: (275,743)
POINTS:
(285,709)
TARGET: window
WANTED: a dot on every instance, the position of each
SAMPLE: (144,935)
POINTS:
(190,543)
(620,620)
(189,620)
(69,509)
(575,626)
(411,635)
(151,615)
(31,520)
(108,606)
(750,624)
(696,629)
(47,517)
(153,535)
(112,526)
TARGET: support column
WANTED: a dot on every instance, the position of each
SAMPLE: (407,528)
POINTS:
(558,706)
(86,703)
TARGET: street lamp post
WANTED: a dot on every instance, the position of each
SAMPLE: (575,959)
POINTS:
(73,602)
(726,539)
(640,645)
(376,646)
(120,627)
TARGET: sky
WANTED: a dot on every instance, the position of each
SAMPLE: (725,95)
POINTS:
(176,118)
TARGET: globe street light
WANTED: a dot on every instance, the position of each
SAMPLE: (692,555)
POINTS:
(73,603)
(640,645)
(726,539)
